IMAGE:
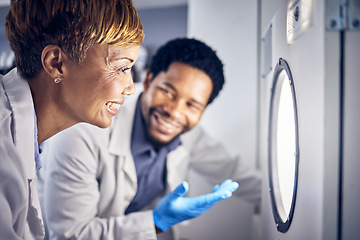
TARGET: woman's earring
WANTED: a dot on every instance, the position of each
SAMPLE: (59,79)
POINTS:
(57,80)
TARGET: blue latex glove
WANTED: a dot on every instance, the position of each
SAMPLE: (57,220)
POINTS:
(174,208)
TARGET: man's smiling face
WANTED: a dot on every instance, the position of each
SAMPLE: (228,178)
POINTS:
(174,101)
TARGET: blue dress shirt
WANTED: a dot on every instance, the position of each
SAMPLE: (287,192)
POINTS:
(150,164)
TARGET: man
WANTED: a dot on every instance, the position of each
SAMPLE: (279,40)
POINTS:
(106,181)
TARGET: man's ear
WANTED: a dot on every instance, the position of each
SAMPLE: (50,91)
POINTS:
(148,79)
(52,59)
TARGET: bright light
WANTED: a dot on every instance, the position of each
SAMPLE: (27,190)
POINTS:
(286,145)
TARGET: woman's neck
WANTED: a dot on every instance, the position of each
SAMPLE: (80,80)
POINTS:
(51,119)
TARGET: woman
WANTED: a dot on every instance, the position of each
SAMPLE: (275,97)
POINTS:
(73,60)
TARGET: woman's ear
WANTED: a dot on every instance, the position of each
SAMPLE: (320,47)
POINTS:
(148,79)
(52,59)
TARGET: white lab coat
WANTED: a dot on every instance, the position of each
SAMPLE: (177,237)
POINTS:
(93,178)
(20,214)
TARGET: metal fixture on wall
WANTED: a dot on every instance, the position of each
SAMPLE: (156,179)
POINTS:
(283,146)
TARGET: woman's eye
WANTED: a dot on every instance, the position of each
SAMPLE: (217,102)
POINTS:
(124,69)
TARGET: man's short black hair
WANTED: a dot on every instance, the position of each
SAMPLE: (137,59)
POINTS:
(194,53)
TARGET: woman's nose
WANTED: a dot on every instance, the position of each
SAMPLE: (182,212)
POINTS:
(130,89)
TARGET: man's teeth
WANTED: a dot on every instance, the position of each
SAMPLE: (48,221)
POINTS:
(113,105)
(166,124)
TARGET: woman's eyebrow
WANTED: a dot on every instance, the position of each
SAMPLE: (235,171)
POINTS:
(126,58)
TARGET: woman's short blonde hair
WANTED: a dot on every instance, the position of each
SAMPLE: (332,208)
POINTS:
(73,25)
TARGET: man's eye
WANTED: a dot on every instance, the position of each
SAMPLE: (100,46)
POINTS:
(164,90)
(168,93)
(194,107)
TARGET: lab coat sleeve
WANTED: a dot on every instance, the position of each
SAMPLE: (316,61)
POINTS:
(13,192)
(213,162)
(71,195)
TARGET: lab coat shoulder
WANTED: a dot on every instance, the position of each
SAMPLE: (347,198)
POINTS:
(20,216)
(13,203)
(74,148)
(4,106)
(211,159)
(207,155)
(82,177)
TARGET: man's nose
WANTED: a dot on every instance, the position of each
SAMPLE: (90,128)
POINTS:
(175,108)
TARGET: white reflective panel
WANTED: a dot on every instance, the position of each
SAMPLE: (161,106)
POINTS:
(286,146)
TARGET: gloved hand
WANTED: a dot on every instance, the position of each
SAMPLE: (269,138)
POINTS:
(174,208)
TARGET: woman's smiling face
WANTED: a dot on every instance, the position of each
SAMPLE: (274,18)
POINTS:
(93,91)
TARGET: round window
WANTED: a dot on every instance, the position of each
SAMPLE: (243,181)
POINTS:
(283,146)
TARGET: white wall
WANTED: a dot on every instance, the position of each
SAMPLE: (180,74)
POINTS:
(229,27)
(268,9)
(146,4)
(4,2)
(314,62)
(162,24)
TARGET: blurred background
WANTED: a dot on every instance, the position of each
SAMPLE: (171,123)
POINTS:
(250,37)
(232,28)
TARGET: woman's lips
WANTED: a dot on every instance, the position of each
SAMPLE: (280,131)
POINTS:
(113,107)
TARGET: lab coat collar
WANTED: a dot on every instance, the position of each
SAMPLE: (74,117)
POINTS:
(120,144)
(122,127)
(120,139)
(21,102)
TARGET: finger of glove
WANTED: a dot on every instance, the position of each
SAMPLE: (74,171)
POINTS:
(208,200)
(197,205)
(179,191)
(216,187)
(223,191)
(226,189)
(228,185)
